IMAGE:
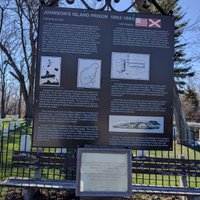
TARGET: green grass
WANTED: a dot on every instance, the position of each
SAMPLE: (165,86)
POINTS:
(3,192)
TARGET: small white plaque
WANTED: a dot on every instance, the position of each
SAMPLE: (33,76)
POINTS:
(25,144)
(12,126)
(5,132)
(18,123)
(61,150)
(103,172)
(15,117)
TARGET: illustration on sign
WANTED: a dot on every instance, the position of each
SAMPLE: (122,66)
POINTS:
(130,66)
(89,73)
(136,124)
(50,71)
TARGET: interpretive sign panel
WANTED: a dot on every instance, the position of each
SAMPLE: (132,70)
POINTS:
(104,172)
(104,78)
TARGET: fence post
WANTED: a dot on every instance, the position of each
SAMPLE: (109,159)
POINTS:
(199,135)
(37,171)
(183,183)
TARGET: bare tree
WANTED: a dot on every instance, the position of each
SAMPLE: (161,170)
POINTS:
(2,12)
(8,88)
(3,70)
(18,26)
(18,42)
(12,97)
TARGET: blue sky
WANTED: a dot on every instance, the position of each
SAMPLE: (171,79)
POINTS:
(191,7)
(192,35)
(192,32)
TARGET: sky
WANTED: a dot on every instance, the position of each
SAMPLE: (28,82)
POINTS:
(192,10)
(191,36)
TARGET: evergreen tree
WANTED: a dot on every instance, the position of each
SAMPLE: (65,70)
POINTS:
(192,98)
(181,68)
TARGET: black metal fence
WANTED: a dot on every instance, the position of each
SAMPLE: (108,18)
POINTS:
(16,136)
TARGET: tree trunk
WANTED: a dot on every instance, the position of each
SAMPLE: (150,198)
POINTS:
(20,102)
(184,133)
(26,96)
(29,108)
(3,115)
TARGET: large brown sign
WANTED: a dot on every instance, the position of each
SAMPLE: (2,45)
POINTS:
(104,78)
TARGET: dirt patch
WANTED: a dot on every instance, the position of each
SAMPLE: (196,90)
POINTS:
(17,194)
(44,194)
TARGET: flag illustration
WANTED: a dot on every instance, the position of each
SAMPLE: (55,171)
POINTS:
(142,22)
(155,23)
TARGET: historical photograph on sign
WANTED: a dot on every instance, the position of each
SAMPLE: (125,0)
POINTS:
(103,172)
(89,73)
(130,66)
(50,70)
(136,124)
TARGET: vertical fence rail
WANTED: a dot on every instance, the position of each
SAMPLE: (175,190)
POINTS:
(20,139)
